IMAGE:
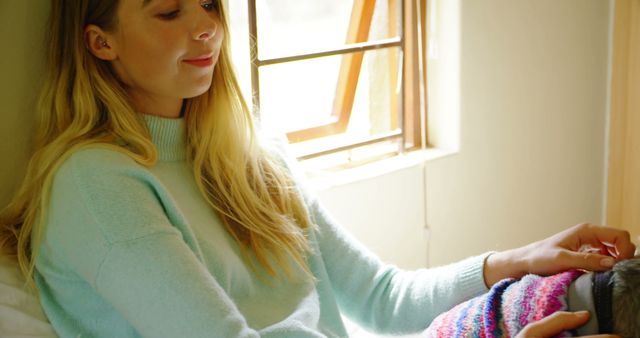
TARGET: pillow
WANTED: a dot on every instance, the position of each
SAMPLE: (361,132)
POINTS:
(21,315)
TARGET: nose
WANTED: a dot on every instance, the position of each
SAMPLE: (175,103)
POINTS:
(205,28)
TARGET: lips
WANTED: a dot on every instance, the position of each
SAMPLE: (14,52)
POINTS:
(200,63)
(201,57)
(205,60)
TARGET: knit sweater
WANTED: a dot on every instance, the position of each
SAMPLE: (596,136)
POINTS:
(130,251)
(507,308)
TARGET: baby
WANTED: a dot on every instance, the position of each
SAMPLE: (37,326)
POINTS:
(612,298)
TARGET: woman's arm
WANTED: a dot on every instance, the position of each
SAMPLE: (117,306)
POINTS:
(382,297)
(379,296)
(562,251)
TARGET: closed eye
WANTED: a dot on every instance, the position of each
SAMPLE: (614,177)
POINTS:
(169,15)
(208,6)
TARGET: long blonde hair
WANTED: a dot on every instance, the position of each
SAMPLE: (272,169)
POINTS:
(82,102)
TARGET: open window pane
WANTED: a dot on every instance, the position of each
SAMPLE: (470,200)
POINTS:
(330,104)
(298,95)
(301,95)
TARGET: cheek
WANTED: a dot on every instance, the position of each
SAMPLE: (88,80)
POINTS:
(219,38)
(165,40)
(153,55)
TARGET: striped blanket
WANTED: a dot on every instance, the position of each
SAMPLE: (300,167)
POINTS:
(507,308)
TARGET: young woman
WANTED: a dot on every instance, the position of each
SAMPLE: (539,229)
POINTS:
(151,208)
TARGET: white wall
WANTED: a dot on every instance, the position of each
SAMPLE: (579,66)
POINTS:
(386,213)
(531,114)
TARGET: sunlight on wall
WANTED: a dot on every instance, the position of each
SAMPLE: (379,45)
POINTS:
(443,74)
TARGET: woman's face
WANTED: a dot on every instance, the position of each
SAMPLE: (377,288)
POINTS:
(166,48)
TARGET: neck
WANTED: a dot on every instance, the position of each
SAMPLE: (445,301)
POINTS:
(163,106)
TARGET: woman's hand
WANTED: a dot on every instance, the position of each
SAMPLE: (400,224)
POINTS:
(584,246)
(556,323)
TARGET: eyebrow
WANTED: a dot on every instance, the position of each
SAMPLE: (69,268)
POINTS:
(145,3)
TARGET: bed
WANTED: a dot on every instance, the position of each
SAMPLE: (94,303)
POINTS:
(20,313)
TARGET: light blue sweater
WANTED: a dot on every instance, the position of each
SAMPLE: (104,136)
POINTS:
(129,251)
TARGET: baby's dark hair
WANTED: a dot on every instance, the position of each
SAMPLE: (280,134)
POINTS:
(626,298)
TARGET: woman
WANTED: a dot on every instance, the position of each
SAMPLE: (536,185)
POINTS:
(150,207)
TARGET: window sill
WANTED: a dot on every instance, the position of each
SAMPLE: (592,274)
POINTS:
(323,179)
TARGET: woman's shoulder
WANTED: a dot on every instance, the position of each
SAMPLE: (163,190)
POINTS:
(108,187)
(98,163)
(100,156)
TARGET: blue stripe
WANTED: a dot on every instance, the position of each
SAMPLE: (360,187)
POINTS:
(462,317)
(493,310)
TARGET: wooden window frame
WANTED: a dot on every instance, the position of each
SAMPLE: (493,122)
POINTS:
(407,124)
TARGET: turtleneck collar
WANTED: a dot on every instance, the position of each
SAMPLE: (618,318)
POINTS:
(169,137)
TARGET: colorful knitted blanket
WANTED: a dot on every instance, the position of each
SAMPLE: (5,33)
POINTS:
(507,308)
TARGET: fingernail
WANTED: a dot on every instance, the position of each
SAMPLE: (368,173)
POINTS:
(607,262)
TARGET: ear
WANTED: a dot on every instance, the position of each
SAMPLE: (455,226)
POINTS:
(99,43)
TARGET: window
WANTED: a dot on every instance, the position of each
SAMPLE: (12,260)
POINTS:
(338,77)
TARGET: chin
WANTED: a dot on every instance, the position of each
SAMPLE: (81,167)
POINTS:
(196,91)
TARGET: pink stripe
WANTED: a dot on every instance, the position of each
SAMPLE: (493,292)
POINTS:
(543,297)
(509,309)
(527,305)
(446,322)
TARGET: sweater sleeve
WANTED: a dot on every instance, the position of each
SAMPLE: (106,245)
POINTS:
(375,295)
(382,297)
(378,296)
(106,223)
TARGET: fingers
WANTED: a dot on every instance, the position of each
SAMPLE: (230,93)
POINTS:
(554,324)
(616,242)
(587,261)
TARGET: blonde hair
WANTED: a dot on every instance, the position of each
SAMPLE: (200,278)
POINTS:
(82,102)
